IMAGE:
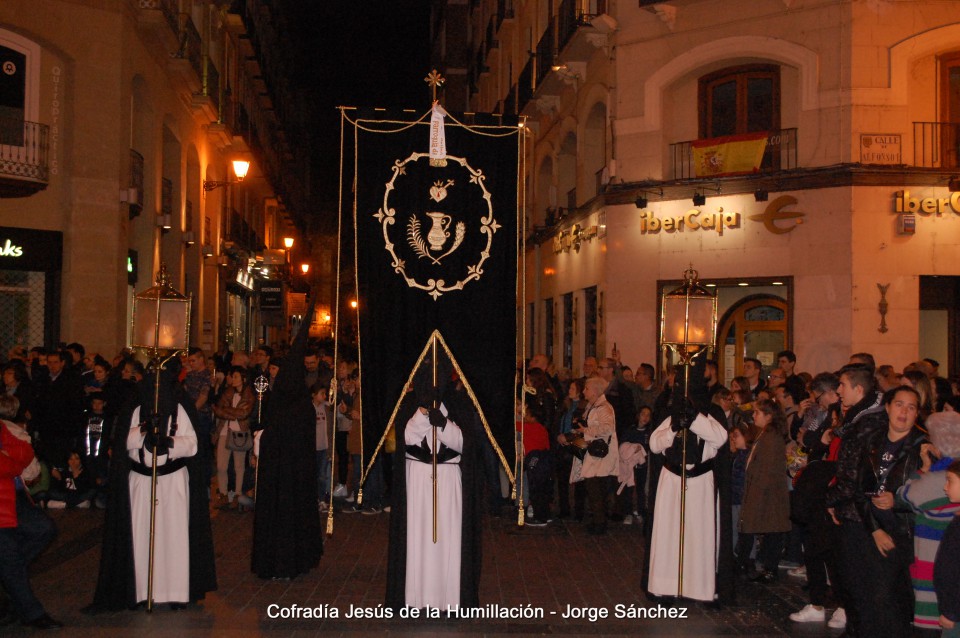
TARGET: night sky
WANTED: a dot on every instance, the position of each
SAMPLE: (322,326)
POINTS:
(356,53)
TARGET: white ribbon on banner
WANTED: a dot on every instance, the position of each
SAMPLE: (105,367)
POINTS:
(438,140)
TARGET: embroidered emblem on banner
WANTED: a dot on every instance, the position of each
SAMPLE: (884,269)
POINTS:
(430,236)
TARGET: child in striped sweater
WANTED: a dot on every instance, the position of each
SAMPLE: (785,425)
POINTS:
(946,566)
(934,512)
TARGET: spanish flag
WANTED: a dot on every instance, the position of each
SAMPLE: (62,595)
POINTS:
(729,155)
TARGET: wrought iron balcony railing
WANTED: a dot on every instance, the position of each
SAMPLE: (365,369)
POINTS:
(936,145)
(780,154)
(24,150)
(546,52)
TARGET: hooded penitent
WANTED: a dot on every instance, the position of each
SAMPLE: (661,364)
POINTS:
(287,537)
(116,584)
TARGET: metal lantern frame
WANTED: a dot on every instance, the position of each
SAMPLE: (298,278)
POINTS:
(688,328)
(161,328)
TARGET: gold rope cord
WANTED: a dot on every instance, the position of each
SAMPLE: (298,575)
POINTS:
(356,317)
(521,377)
(406,124)
(522,292)
(466,384)
(336,333)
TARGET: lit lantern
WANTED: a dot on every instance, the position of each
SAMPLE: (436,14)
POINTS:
(688,318)
(161,318)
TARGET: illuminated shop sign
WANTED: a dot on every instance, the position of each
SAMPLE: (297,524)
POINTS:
(9,249)
(245,279)
(693,219)
(904,203)
(30,250)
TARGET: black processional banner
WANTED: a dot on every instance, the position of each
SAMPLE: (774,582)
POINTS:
(436,251)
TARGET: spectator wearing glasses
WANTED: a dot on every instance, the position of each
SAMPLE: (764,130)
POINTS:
(775,379)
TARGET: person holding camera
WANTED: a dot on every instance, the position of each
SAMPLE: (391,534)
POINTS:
(596,434)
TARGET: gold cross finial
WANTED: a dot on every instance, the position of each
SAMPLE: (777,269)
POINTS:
(434,79)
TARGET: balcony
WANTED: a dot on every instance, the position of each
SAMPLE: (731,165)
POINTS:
(162,19)
(525,86)
(491,42)
(579,33)
(546,53)
(780,154)
(936,145)
(504,11)
(23,157)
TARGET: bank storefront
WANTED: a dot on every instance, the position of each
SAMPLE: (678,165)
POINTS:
(30,265)
(823,271)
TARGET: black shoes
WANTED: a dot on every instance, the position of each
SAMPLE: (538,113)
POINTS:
(43,622)
(764,578)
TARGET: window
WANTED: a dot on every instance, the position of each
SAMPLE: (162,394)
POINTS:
(590,321)
(741,99)
(568,331)
(12,95)
(950,110)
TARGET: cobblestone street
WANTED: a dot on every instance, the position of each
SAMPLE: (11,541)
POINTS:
(548,568)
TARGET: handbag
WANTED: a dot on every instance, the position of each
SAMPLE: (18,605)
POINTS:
(238,441)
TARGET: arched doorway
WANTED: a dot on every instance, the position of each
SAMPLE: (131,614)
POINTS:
(756,326)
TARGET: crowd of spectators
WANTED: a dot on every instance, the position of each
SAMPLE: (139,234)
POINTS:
(837,478)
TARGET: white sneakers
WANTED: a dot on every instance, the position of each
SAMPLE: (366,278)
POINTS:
(838,620)
(56,505)
(798,572)
(817,614)
(340,491)
(628,520)
(809,614)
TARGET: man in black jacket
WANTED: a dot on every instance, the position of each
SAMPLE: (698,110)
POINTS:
(58,410)
(876,537)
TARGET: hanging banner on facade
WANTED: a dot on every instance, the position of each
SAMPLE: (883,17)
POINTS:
(729,155)
(437,251)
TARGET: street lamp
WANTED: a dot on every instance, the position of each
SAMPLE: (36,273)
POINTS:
(240,168)
(688,328)
(288,242)
(305,267)
(161,328)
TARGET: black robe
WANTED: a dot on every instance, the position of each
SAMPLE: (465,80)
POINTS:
(116,583)
(287,538)
(462,413)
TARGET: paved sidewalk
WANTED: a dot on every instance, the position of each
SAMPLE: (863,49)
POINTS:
(546,568)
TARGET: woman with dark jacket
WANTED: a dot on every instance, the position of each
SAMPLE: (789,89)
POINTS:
(766,499)
(876,532)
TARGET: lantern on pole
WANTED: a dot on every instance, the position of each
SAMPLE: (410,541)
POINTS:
(688,328)
(161,328)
